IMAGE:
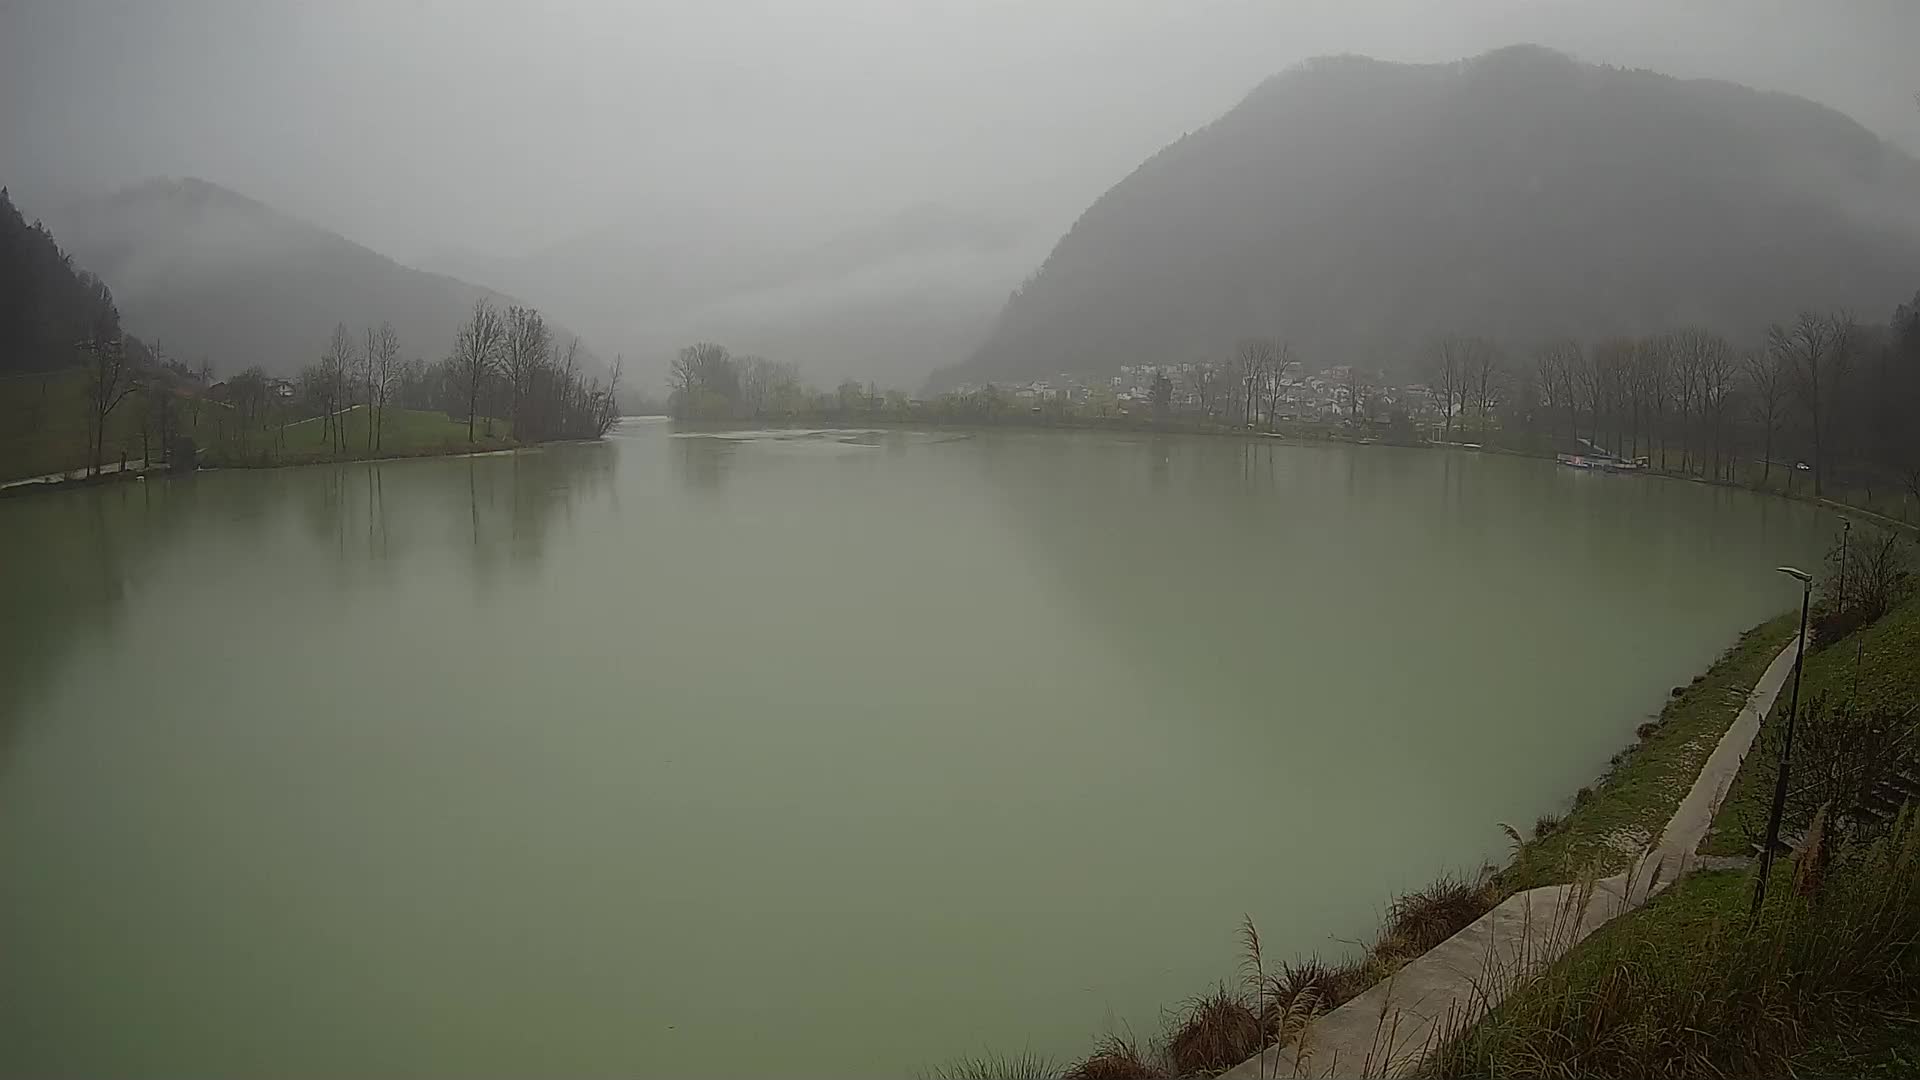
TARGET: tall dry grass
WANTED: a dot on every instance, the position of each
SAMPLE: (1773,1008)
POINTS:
(1840,932)
(1268,1005)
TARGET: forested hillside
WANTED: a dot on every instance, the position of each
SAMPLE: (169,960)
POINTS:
(1361,209)
(47,307)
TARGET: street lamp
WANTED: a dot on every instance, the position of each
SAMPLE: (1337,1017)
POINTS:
(1786,746)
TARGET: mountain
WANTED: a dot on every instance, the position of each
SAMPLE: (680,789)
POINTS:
(887,299)
(213,275)
(47,307)
(1361,209)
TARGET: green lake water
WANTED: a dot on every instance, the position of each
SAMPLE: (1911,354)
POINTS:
(784,754)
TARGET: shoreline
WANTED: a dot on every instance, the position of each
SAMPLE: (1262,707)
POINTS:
(1607,855)
(46,485)
(1465,977)
(1314,437)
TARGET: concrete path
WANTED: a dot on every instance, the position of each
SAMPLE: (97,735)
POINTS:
(317,419)
(133,465)
(1388,1029)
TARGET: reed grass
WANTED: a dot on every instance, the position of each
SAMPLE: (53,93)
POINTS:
(1692,985)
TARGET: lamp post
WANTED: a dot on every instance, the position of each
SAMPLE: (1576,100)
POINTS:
(1786,746)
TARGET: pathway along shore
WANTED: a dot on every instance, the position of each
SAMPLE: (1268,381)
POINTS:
(1388,1029)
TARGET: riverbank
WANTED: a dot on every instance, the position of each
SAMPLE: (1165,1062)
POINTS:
(403,433)
(1315,434)
(418,435)
(36,485)
(1605,832)
(1826,981)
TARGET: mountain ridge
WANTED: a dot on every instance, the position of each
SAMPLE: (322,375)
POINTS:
(213,274)
(1360,208)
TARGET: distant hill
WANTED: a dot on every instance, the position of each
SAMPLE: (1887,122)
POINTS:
(213,275)
(1361,208)
(889,299)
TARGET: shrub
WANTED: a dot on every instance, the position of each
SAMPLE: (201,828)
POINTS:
(996,1067)
(1420,920)
(1214,1033)
(1865,576)
(1309,987)
(1114,1059)
(1647,730)
(1826,625)
(1544,825)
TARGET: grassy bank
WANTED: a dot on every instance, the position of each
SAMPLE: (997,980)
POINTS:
(1878,665)
(1606,826)
(44,430)
(1822,983)
(403,433)
(1826,982)
(1614,819)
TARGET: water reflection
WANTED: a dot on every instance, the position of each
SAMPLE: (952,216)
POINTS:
(71,563)
(700,462)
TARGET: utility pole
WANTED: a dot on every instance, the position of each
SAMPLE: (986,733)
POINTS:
(1786,749)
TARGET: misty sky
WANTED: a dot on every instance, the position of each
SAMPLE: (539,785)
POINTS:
(425,126)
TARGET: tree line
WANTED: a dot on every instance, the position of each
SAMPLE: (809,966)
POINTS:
(503,366)
(1823,389)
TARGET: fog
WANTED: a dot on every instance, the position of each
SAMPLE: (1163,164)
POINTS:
(547,149)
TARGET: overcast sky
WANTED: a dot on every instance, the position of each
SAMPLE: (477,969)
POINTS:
(417,126)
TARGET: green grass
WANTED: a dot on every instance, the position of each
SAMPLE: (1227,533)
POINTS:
(1691,985)
(1640,793)
(1883,1041)
(403,433)
(1888,675)
(44,429)
(1826,984)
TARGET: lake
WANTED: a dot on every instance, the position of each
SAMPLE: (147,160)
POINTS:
(830,754)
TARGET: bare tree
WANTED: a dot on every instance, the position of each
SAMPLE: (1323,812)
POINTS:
(476,354)
(383,374)
(1547,367)
(1608,375)
(1557,365)
(1588,378)
(1283,360)
(334,365)
(607,405)
(705,379)
(1815,352)
(1447,379)
(1485,366)
(1258,360)
(1359,387)
(528,348)
(757,379)
(109,381)
(1717,371)
(1657,384)
(683,374)
(1203,385)
(1689,349)
(1767,390)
